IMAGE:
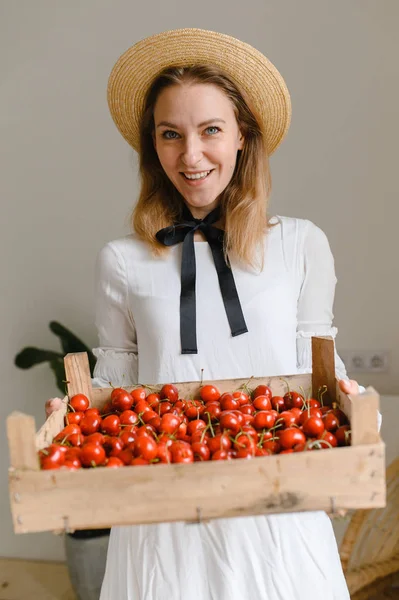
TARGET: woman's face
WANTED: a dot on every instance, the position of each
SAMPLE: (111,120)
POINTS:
(197,138)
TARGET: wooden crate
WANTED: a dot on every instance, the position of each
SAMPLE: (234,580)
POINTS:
(331,480)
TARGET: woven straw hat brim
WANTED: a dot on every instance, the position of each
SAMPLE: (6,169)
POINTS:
(137,68)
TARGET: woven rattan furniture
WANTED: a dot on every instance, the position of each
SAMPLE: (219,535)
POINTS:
(370,548)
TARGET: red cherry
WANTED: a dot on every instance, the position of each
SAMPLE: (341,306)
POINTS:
(209,393)
(262,390)
(242,397)
(111,425)
(92,455)
(328,437)
(262,402)
(79,402)
(153,400)
(312,412)
(213,409)
(227,402)
(114,462)
(278,403)
(201,451)
(288,438)
(293,400)
(73,418)
(264,419)
(170,392)
(343,435)
(128,417)
(313,426)
(331,422)
(138,394)
(247,409)
(121,399)
(287,418)
(90,423)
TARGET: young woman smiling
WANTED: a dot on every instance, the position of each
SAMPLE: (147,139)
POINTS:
(209,280)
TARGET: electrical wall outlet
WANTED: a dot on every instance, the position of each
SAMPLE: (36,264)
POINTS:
(366,361)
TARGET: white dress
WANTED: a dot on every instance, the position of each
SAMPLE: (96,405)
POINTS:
(277,557)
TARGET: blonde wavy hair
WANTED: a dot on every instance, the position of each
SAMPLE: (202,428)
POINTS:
(243,202)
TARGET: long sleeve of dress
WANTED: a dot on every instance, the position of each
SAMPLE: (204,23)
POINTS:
(315,304)
(117,360)
(316,299)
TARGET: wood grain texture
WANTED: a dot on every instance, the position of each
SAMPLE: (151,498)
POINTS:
(341,478)
(323,368)
(21,432)
(364,420)
(77,371)
(51,426)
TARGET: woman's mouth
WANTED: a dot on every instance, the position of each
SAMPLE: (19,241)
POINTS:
(196,178)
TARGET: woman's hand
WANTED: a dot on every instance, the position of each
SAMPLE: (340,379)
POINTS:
(53,404)
(349,387)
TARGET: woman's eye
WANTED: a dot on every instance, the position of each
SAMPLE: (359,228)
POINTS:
(212,129)
(169,135)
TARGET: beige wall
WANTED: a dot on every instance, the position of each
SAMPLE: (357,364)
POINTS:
(68,178)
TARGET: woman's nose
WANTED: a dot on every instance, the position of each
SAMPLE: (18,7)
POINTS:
(192,151)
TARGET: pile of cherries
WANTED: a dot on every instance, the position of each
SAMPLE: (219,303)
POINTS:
(146,426)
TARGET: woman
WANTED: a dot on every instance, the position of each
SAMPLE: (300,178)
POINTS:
(205,111)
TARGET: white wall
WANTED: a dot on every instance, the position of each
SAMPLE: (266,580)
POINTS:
(68,179)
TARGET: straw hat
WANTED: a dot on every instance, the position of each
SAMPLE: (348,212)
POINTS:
(137,68)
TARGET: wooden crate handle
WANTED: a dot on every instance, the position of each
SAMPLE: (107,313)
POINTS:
(323,368)
(77,371)
(21,432)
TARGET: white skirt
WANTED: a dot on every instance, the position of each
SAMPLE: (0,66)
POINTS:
(278,557)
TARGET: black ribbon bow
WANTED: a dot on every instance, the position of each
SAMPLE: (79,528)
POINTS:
(184,232)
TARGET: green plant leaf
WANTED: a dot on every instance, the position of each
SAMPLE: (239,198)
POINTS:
(71,343)
(31,356)
(57,366)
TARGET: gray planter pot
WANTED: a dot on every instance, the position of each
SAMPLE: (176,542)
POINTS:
(86,558)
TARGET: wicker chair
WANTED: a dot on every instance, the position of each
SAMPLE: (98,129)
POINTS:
(370,548)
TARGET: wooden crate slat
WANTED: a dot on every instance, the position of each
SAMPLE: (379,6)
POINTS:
(323,368)
(51,426)
(21,432)
(364,420)
(77,371)
(47,500)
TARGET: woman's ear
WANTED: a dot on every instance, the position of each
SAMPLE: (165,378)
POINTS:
(241,141)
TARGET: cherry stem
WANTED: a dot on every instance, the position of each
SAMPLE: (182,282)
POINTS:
(152,388)
(66,386)
(210,424)
(322,391)
(140,419)
(203,434)
(317,444)
(202,377)
(262,435)
(306,403)
(245,386)
(286,383)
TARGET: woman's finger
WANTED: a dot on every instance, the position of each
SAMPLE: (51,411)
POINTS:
(349,386)
(52,404)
